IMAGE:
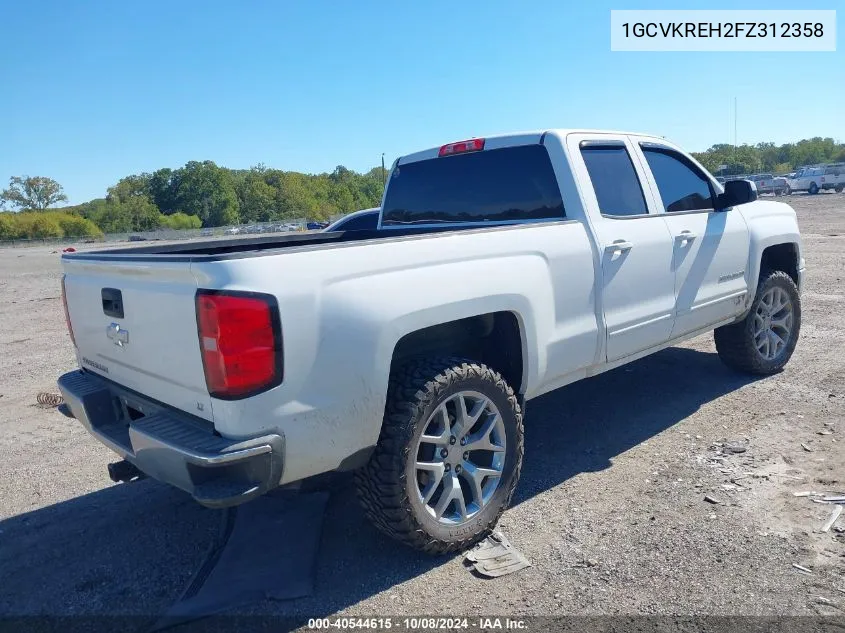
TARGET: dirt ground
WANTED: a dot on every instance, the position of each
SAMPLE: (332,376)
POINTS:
(610,509)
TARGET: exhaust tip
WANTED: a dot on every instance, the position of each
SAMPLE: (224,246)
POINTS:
(124,472)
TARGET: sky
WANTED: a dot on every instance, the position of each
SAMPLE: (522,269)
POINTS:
(95,90)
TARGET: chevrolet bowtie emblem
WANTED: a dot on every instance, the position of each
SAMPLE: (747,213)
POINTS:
(117,335)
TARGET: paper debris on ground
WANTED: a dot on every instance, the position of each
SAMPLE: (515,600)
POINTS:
(495,556)
(837,510)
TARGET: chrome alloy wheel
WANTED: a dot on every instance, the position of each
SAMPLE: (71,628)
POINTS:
(459,457)
(773,323)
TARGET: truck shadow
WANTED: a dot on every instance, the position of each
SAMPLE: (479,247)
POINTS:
(131,549)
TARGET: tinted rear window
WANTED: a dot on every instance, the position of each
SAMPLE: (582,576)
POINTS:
(614,180)
(499,185)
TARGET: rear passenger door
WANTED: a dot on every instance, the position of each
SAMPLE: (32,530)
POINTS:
(710,248)
(635,246)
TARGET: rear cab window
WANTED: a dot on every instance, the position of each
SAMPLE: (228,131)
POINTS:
(497,186)
(615,182)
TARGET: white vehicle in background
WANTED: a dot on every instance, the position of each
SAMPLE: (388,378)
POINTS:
(834,177)
(809,179)
(767,183)
(501,268)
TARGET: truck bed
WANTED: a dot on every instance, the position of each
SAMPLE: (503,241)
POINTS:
(211,250)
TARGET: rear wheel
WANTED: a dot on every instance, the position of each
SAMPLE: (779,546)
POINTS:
(838,188)
(448,458)
(814,188)
(763,342)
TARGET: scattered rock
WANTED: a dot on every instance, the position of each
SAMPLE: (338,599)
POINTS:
(712,500)
(736,446)
(806,448)
(802,569)
(824,432)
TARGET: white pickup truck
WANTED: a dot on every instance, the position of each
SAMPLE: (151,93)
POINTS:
(502,268)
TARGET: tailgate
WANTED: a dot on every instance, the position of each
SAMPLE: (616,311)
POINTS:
(135,323)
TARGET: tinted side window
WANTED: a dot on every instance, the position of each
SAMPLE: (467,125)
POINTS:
(681,187)
(508,184)
(363,222)
(614,180)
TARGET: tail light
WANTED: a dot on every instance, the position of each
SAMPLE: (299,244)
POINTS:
(240,339)
(67,314)
(462,147)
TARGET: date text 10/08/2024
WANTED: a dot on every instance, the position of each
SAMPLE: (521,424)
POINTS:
(418,623)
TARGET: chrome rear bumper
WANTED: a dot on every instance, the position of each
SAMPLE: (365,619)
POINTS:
(173,447)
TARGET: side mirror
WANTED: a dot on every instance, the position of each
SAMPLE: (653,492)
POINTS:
(736,192)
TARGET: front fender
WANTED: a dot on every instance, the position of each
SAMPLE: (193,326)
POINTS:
(769,224)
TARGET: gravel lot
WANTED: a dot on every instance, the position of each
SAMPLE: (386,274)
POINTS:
(610,509)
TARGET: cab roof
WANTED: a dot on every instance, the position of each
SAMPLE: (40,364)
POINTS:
(497,141)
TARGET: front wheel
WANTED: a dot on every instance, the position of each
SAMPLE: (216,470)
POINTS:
(814,189)
(448,458)
(763,342)
(838,188)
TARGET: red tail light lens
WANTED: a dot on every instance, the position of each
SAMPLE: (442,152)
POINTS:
(462,147)
(241,342)
(67,314)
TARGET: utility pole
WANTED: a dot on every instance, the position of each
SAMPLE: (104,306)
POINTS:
(735,138)
(383,174)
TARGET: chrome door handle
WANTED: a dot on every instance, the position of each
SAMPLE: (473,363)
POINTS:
(685,237)
(618,247)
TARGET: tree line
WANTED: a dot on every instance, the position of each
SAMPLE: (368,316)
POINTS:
(203,194)
(200,194)
(771,158)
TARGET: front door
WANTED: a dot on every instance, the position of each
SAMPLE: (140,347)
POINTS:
(710,248)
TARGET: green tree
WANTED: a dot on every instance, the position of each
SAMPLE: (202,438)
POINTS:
(180,221)
(9,229)
(33,192)
(208,191)
(164,190)
(111,218)
(257,199)
(143,214)
(134,186)
(74,225)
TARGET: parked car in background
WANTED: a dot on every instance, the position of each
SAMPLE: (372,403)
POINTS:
(363,220)
(834,177)
(809,179)
(316,226)
(766,183)
(780,185)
